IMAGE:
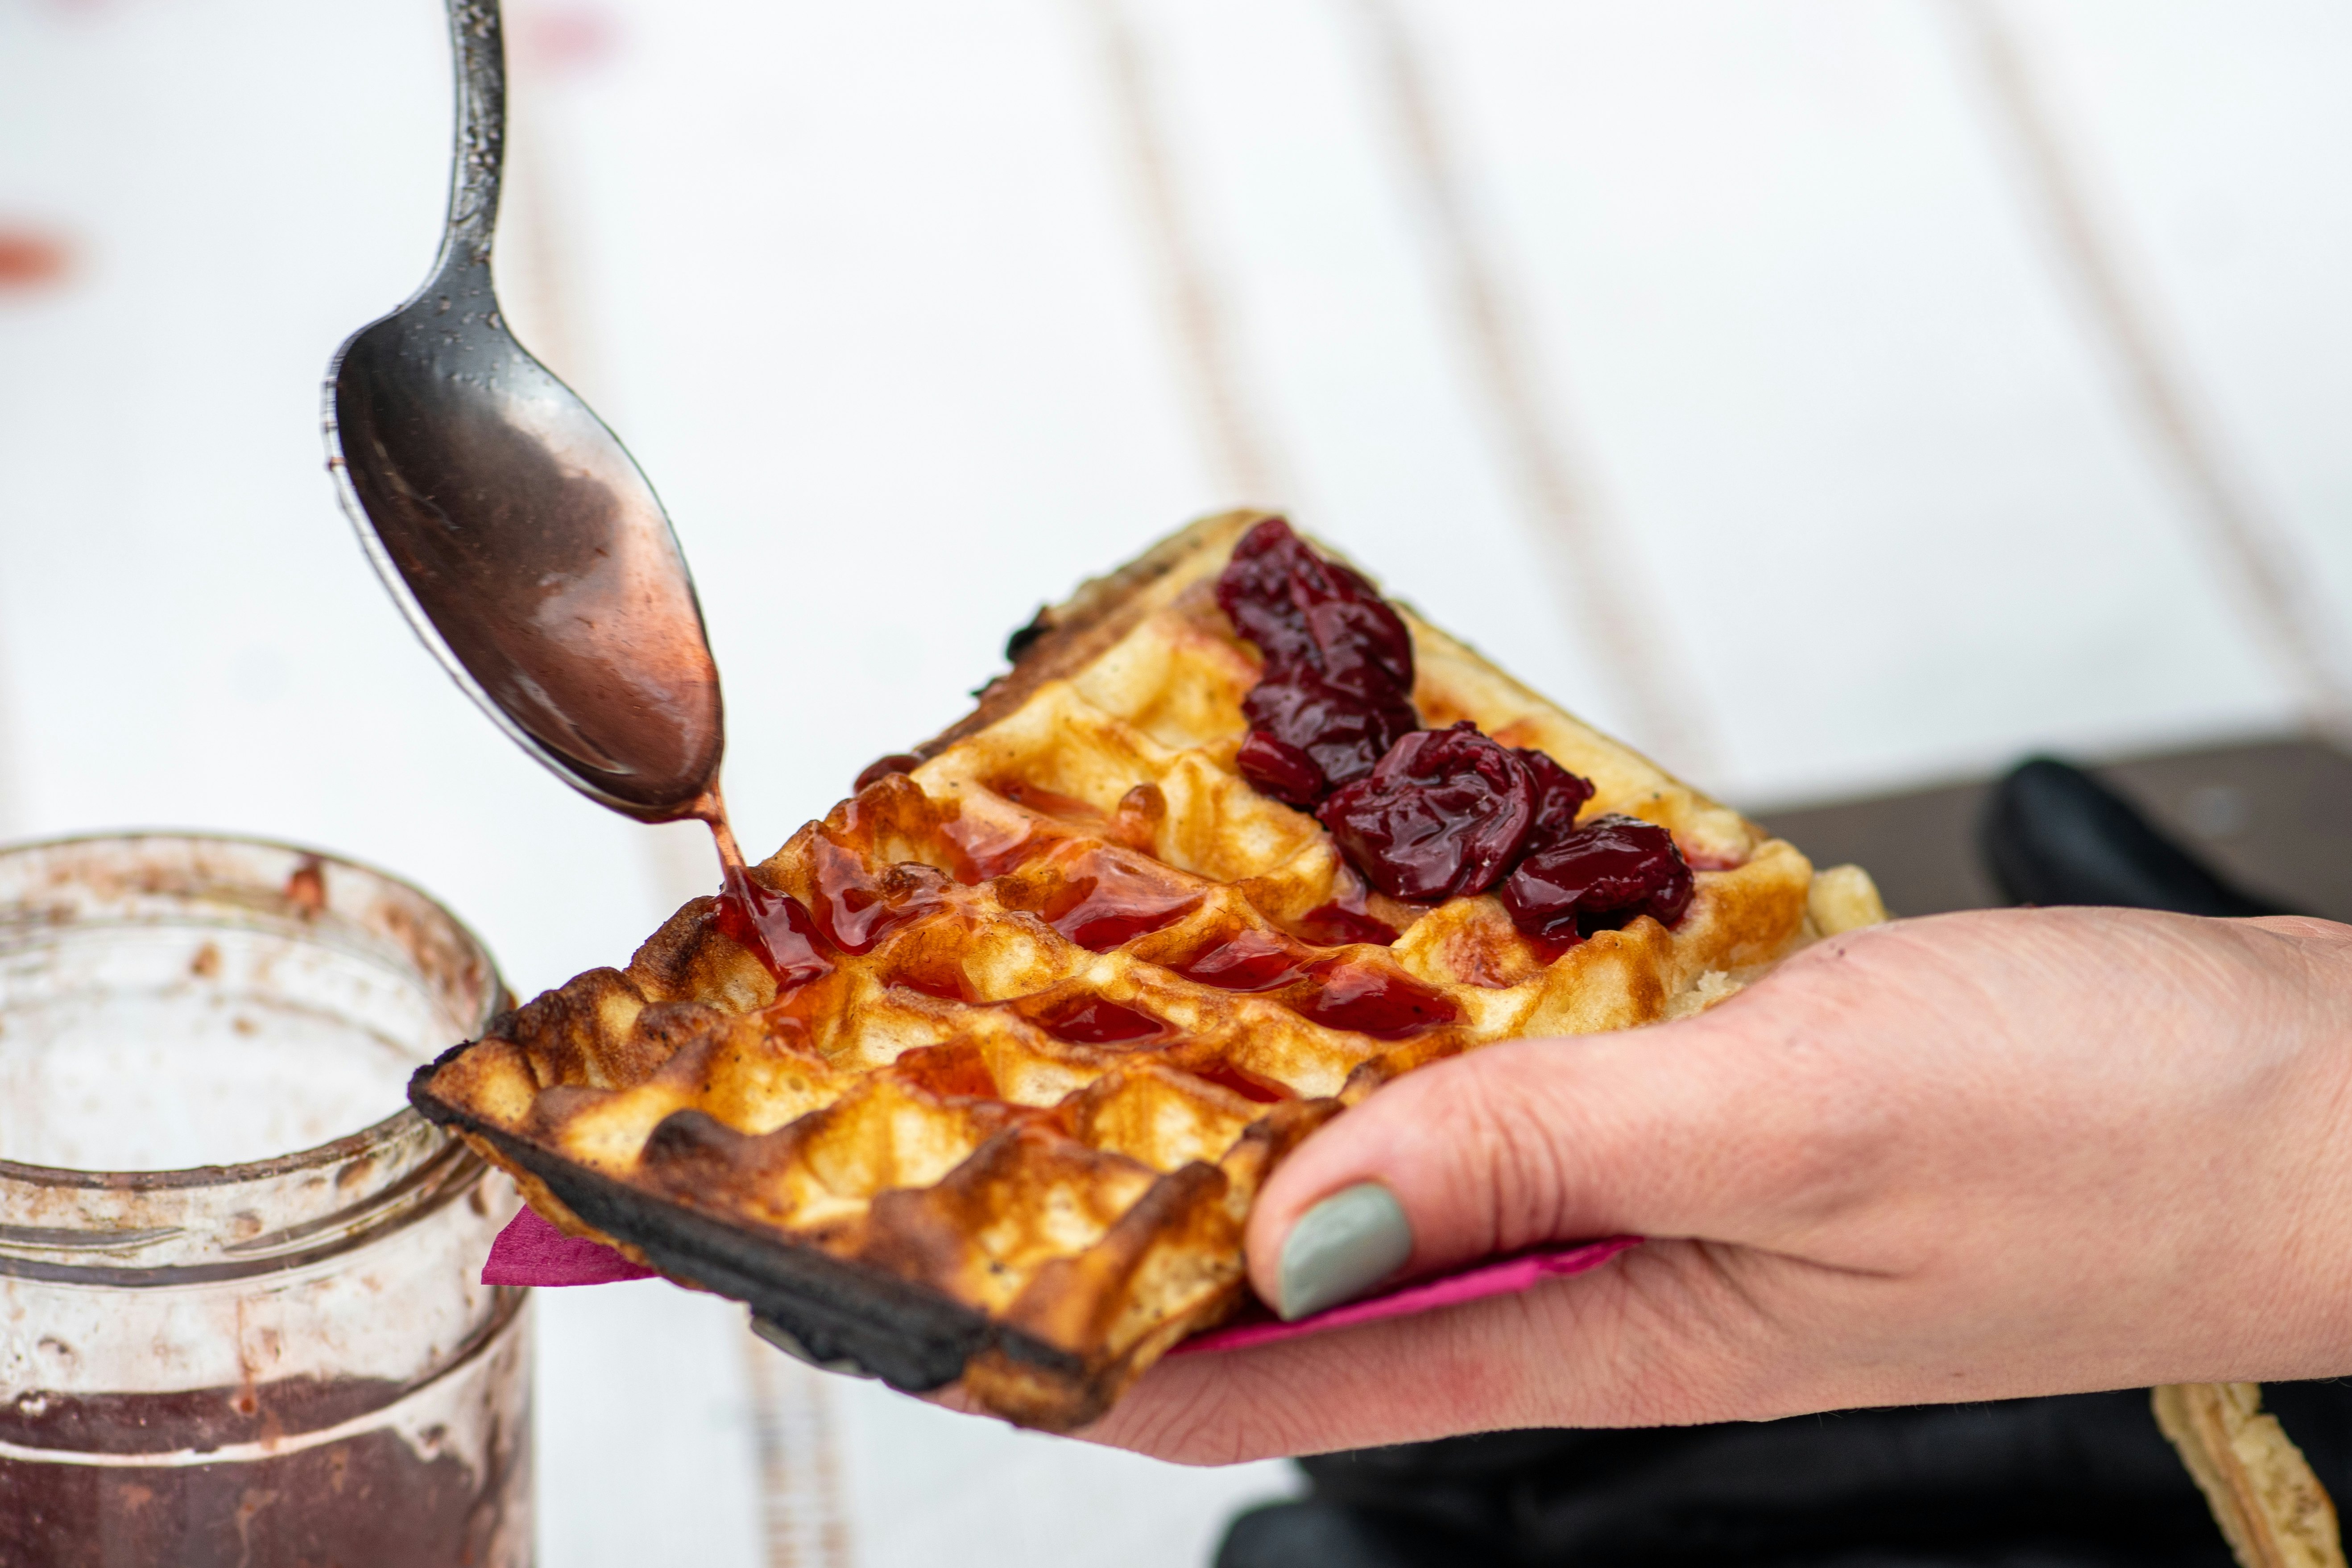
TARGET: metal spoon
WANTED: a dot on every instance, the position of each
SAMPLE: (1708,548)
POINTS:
(511,525)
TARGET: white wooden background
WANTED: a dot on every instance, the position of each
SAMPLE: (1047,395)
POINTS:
(1826,393)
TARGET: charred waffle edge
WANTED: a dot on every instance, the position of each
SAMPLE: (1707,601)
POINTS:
(912,1338)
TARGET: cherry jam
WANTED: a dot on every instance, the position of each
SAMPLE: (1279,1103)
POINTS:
(1372,1001)
(1110,903)
(1252,961)
(1560,796)
(854,910)
(1598,878)
(1275,767)
(1423,815)
(1312,738)
(1447,812)
(1336,690)
(1339,923)
(1097,1021)
(1263,1091)
(773,927)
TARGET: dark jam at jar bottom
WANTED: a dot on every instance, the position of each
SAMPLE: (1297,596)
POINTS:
(377,1498)
(366,1501)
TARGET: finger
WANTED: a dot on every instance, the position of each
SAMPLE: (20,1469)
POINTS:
(1662,1335)
(1726,1126)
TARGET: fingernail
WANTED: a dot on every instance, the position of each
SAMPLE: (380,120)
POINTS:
(1342,1247)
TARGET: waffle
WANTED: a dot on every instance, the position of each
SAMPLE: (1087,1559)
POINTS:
(1089,988)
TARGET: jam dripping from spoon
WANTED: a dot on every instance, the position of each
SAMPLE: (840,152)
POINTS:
(773,926)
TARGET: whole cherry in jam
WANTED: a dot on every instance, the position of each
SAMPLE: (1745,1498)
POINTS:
(1337,735)
(1336,690)
(1447,812)
(1599,877)
(1275,767)
(1560,796)
(1305,611)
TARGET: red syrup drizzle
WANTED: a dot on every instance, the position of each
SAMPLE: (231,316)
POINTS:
(990,849)
(855,912)
(1228,1077)
(1549,951)
(952,1071)
(1099,926)
(943,985)
(1111,904)
(1048,803)
(1369,1000)
(1348,917)
(1252,961)
(773,926)
(1335,925)
(1097,1021)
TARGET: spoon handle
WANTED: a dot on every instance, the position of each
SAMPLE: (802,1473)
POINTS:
(478,43)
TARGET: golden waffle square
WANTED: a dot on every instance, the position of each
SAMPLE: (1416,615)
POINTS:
(1088,987)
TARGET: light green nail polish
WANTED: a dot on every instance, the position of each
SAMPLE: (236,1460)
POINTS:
(1342,1247)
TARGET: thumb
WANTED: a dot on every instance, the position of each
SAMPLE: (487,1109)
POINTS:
(1662,1132)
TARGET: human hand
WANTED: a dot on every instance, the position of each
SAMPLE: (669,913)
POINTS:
(1973,1157)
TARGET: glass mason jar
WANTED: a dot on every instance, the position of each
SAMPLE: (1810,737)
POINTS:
(214,1351)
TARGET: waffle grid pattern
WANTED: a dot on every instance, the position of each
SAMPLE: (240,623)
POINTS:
(1086,996)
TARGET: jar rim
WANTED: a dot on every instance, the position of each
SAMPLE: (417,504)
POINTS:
(355,1182)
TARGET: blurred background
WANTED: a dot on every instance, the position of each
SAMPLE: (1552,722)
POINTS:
(1830,397)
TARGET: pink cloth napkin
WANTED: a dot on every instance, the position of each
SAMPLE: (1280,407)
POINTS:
(1503,1276)
(531,1251)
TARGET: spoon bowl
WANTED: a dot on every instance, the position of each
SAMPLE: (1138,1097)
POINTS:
(521,540)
